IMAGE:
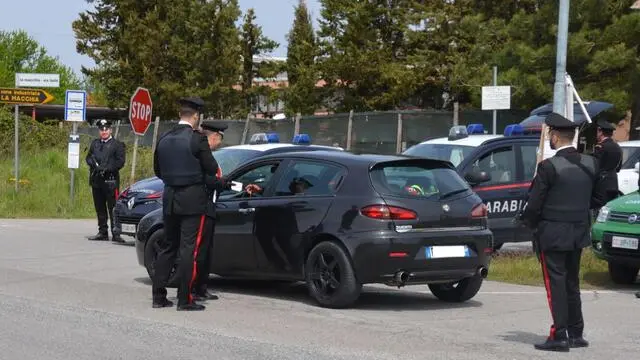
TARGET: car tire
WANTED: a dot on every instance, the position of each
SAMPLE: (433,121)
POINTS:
(621,274)
(460,291)
(151,255)
(330,277)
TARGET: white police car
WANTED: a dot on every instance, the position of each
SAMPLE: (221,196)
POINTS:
(628,174)
(508,161)
(145,195)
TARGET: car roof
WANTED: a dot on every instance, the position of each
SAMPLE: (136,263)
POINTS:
(471,140)
(348,158)
(271,146)
(630,143)
(479,140)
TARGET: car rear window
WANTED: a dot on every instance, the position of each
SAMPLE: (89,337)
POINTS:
(416,179)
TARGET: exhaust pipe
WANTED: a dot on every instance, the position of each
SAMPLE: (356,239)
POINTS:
(483,272)
(401,277)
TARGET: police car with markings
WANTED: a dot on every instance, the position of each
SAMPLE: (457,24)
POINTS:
(499,168)
(145,195)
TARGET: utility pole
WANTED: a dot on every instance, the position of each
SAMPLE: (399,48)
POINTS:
(559,97)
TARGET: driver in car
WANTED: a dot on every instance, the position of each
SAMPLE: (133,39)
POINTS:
(297,186)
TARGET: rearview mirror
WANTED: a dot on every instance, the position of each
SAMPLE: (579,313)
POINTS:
(477,177)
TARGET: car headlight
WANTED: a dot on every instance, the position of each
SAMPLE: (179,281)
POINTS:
(603,214)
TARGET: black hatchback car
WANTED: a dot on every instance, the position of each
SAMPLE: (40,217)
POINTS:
(145,195)
(338,220)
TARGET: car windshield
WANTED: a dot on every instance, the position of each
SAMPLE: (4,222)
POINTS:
(447,152)
(229,159)
(627,152)
(421,179)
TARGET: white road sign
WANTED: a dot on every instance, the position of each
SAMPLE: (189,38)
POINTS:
(37,80)
(496,97)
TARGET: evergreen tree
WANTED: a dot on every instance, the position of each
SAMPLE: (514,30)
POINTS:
(302,95)
(255,44)
(172,47)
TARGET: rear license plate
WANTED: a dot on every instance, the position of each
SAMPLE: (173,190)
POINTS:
(129,228)
(624,243)
(449,251)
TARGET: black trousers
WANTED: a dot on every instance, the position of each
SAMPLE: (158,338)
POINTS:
(561,271)
(104,200)
(204,255)
(183,236)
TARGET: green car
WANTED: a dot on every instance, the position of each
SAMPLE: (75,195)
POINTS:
(615,236)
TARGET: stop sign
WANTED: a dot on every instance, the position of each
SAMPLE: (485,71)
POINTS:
(140,111)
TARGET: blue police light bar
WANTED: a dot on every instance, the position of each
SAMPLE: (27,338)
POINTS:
(513,130)
(302,139)
(273,138)
(458,132)
(475,129)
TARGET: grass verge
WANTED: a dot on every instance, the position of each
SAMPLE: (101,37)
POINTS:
(525,269)
(44,191)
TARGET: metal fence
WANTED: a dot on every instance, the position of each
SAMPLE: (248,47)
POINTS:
(374,132)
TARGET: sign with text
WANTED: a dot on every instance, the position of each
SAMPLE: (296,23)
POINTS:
(37,80)
(496,97)
(75,105)
(73,154)
(24,96)
(140,109)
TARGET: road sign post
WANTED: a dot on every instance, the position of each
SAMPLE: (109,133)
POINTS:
(19,96)
(496,98)
(75,110)
(140,110)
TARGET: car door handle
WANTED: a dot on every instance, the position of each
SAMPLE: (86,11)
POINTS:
(246,210)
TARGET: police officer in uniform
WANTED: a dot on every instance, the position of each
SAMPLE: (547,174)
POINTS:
(609,156)
(183,161)
(565,188)
(215,184)
(106,156)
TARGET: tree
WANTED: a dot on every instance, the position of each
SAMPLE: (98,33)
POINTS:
(255,44)
(174,48)
(302,95)
(21,53)
(364,55)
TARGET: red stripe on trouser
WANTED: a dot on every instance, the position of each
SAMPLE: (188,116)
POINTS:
(194,273)
(547,286)
(116,193)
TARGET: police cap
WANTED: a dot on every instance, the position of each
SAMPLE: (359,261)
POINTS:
(557,121)
(103,124)
(194,103)
(215,126)
(605,125)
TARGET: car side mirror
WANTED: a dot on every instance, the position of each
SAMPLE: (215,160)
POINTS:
(477,177)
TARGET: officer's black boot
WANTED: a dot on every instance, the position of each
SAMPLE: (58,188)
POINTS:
(554,345)
(117,239)
(204,294)
(99,237)
(190,307)
(578,342)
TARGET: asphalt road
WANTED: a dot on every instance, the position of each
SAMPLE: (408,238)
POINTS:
(65,297)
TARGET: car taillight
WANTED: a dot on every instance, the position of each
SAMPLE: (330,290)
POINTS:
(480,211)
(124,193)
(155,195)
(388,212)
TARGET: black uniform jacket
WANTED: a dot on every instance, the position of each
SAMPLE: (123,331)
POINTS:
(105,161)
(188,200)
(609,157)
(558,235)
